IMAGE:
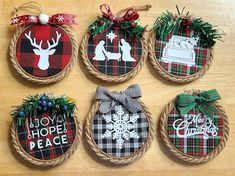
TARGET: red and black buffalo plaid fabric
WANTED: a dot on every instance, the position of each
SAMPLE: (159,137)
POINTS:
(58,61)
(25,135)
(196,144)
(179,69)
(114,67)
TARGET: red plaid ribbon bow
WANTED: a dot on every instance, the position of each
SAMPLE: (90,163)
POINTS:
(130,15)
(60,19)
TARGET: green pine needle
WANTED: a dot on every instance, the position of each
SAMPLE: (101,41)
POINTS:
(97,28)
(133,31)
(31,103)
(206,32)
(168,23)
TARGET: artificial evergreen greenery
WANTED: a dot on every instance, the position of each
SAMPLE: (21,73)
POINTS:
(206,32)
(99,26)
(37,105)
(169,23)
(102,23)
(133,29)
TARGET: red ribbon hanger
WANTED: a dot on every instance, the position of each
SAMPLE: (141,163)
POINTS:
(42,18)
(59,19)
(130,15)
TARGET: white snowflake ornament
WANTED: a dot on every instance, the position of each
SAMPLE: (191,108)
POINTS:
(120,126)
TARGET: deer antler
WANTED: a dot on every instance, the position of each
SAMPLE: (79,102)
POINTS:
(33,42)
(54,43)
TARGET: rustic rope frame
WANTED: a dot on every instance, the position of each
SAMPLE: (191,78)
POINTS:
(52,162)
(42,80)
(109,158)
(109,78)
(177,79)
(178,153)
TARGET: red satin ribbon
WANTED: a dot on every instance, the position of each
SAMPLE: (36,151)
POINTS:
(60,19)
(131,14)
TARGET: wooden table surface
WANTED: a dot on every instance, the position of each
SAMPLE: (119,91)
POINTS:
(157,92)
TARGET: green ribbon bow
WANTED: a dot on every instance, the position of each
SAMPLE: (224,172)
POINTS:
(186,102)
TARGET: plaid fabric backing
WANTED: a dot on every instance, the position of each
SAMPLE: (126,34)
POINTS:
(194,145)
(179,69)
(114,67)
(58,61)
(49,152)
(110,145)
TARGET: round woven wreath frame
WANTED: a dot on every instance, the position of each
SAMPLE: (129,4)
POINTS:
(178,153)
(52,162)
(108,78)
(178,79)
(42,80)
(112,159)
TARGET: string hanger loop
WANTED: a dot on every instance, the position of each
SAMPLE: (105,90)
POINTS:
(29,6)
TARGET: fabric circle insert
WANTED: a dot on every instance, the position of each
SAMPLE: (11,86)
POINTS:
(46,137)
(195,134)
(120,133)
(43,50)
(114,52)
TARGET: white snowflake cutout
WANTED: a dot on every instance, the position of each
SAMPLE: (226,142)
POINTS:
(120,126)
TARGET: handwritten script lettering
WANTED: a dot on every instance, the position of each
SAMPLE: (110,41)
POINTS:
(194,125)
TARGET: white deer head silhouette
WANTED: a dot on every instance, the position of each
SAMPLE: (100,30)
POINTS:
(44,54)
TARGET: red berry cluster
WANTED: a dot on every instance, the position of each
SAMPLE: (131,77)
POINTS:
(133,24)
(185,25)
(100,23)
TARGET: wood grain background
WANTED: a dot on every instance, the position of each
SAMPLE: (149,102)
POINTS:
(157,92)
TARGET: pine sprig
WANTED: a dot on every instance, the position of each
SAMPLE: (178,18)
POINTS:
(133,29)
(33,106)
(99,26)
(102,24)
(168,23)
(206,32)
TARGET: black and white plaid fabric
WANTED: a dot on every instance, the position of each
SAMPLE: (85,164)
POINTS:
(136,124)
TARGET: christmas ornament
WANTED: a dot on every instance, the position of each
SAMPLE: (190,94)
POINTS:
(194,126)
(114,49)
(119,127)
(46,130)
(43,48)
(181,46)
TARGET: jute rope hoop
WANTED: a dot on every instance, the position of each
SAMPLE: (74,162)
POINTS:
(42,80)
(181,155)
(178,79)
(108,78)
(52,162)
(112,159)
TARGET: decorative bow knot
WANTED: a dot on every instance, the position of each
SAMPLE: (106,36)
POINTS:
(59,19)
(127,98)
(186,102)
(130,15)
